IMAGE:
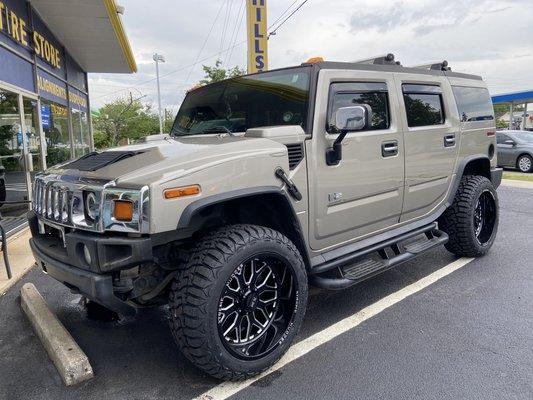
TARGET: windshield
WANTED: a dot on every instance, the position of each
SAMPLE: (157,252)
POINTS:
(235,105)
(526,137)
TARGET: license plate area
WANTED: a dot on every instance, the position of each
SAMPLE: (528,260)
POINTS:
(49,229)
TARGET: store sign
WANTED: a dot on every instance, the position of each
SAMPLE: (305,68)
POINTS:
(51,88)
(17,29)
(257,36)
(76,99)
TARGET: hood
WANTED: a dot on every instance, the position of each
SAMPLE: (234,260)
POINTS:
(163,158)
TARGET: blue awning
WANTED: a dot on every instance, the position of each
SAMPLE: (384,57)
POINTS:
(516,97)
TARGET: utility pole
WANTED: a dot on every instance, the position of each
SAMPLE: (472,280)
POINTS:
(159,58)
(256,15)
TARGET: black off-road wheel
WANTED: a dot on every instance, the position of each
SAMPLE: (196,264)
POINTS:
(239,302)
(472,220)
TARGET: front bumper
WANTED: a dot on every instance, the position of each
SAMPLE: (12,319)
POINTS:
(68,263)
(98,288)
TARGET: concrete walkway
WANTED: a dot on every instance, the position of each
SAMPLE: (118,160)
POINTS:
(20,257)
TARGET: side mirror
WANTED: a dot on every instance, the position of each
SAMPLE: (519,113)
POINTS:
(347,119)
(510,142)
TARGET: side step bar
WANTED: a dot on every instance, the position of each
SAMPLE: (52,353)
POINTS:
(368,262)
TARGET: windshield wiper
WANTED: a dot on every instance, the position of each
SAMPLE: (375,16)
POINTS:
(218,129)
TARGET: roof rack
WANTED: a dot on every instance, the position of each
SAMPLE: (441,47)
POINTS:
(387,59)
(439,66)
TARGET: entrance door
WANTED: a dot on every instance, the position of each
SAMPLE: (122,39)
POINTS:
(19,138)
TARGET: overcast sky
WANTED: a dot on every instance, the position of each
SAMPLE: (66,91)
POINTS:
(492,38)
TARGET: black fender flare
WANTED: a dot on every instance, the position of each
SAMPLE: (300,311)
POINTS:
(197,206)
(494,174)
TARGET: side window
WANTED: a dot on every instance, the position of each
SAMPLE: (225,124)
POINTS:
(372,94)
(423,105)
(474,104)
(501,138)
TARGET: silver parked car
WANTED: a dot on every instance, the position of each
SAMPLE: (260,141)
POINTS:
(515,150)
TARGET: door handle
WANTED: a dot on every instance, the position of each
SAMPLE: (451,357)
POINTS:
(389,149)
(449,140)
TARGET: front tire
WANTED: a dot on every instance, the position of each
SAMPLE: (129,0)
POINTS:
(472,220)
(239,302)
(525,163)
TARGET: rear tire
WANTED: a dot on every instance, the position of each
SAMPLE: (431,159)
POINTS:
(239,302)
(472,220)
(524,163)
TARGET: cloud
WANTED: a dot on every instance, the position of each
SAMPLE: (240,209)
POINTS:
(491,38)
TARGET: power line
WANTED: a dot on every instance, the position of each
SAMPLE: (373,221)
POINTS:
(172,72)
(282,14)
(205,41)
(235,33)
(225,26)
(198,60)
(286,19)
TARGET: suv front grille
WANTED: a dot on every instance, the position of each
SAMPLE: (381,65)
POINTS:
(52,201)
(62,203)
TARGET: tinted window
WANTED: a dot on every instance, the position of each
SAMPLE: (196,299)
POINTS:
(501,138)
(374,95)
(474,104)
(423,105)
(265,99)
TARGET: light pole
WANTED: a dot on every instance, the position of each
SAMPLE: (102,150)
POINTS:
(159,58)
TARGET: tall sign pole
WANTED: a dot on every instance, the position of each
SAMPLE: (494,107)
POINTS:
(256,12)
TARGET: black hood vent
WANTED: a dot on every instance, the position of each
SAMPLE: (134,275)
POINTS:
(94,161)
(296,154)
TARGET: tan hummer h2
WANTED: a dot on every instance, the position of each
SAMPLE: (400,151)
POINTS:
(324,174)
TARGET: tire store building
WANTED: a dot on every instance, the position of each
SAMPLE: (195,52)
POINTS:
(47,47)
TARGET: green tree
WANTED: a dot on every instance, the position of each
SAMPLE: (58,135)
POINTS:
(217,73)
(123,119)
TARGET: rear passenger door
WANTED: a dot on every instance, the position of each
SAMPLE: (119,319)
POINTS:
(430,122)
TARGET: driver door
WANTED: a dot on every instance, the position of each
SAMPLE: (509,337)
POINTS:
(364,192)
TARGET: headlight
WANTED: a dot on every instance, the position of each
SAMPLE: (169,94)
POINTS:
(92,206)
(126,210)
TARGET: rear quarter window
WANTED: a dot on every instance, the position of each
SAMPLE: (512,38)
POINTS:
(473,104)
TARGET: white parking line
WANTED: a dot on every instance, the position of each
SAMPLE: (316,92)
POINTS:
(227,389)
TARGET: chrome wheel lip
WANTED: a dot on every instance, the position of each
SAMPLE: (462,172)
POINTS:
(485,216)
(524,164)
(274,320)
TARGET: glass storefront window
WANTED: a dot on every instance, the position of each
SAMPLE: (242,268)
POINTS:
(54,119)
(80,132)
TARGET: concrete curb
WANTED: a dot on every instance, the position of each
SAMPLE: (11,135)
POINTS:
(518,184)
(70,360)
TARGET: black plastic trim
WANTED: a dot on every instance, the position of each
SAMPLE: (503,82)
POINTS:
(199,205)
(347,258)
(96,287)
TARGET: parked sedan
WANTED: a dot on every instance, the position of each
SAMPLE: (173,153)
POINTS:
(515,150)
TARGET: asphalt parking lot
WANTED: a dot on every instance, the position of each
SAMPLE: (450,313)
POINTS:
(467,336)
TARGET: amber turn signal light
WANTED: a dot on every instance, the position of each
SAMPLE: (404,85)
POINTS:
(123,210)
(185,191)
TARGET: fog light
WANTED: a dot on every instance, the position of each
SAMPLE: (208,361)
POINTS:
(123,210)
(87,255)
